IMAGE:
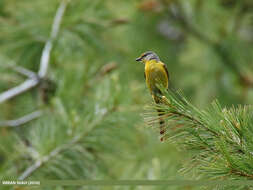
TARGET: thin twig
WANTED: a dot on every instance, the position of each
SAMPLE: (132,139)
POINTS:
(240,173)
(44,61)
(76,139)
(38,163)
(41,161)
(30,170)
(28,84)
(35,80)
(24,71)
(21,120)
(21,70)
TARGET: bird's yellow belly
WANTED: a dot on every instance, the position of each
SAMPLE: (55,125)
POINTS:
(155,76)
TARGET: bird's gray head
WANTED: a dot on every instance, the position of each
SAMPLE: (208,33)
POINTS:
(147,56)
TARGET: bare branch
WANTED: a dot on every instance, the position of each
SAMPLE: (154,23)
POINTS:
(44,61)
(30,170)
(44,159)
(21,120)
(21,70)
(34,79)
(24,71)
(28,84)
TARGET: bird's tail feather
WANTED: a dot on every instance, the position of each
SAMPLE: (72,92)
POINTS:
(158,100)
(162,124)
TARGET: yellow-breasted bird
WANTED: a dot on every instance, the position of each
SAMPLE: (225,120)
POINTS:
(156,74)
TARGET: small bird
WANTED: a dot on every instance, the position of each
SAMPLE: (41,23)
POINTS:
(156,74)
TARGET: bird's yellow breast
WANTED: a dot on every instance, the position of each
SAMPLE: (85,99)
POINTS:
(155,75)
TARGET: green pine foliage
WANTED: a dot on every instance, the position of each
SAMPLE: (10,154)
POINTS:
(219,139)
(94,94)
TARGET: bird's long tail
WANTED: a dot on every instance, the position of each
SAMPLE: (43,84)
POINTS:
(162,124)
(158,100)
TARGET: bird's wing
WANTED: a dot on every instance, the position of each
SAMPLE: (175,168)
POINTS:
(167,73)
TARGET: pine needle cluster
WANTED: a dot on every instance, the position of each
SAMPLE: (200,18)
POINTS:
(219,139)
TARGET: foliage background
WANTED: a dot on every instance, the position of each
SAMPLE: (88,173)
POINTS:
(93,108)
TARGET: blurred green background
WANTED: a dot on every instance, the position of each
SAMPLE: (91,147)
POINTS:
(95,92)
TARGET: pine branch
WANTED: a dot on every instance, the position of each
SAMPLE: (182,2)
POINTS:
(44,62)
(21,120)
(25,86)
(219,139)
(21,70)
(62,148)
(34,80)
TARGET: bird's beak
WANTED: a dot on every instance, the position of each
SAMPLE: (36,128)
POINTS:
(138,59)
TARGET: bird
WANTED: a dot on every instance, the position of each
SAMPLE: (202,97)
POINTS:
(156,75)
